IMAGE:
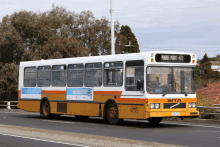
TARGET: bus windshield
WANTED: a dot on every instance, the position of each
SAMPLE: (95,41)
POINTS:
(170,80)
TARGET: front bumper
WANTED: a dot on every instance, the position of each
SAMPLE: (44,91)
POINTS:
(191,114)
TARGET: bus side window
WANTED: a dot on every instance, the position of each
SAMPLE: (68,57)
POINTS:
(93,74)
(134,72)
(59,75)
(30,74)
(113,73)
(75,75)
(44,76)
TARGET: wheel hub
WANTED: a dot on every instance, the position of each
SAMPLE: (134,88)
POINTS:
(46,109)
(112,112)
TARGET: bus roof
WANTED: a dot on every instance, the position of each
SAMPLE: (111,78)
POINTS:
(102,58)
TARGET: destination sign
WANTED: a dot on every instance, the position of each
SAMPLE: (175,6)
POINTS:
(173,58)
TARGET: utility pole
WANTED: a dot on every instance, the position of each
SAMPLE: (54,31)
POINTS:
(112,29)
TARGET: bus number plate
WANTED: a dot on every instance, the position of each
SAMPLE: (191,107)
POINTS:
(175,113)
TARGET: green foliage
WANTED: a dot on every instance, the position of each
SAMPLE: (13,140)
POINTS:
(9,81)
(57,33)
(96,34)
(205,59)
(126,31)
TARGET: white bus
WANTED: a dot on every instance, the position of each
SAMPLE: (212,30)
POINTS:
(147,85)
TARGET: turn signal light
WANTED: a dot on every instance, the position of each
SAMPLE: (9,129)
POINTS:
(193,61)
(152,60)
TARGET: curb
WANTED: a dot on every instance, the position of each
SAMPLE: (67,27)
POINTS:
(13,110)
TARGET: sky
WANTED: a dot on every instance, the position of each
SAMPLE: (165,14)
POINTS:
(165,25)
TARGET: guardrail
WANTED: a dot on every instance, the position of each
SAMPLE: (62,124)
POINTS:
(205,108)
(8,105)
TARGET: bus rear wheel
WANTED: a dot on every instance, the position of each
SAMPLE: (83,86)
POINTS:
(154,120)
(112,114)
(46,109)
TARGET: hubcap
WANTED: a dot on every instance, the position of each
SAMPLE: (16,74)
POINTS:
(112,112)
(46,109)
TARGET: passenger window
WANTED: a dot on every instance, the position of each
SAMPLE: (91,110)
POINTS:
(134,72)
(75,75)
(59,75)
(30,74)
(113,74)
(44,76)
(93,74)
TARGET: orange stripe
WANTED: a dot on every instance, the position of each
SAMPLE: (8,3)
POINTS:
(53,92)
(19,91)
(108,92)
(132,100)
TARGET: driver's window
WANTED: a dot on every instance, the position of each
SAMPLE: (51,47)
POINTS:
(134,72)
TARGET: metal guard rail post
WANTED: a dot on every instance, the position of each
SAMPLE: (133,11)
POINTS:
(9,104)
(204,107)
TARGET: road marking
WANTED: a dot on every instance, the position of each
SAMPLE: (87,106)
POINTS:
(42,140)
(21,113)
(178,124)
(193,125)
(59,121)
(97,117)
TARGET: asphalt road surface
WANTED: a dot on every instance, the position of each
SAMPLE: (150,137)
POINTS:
(18,141)
(175,133)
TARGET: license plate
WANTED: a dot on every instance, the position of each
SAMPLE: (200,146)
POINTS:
(175,113)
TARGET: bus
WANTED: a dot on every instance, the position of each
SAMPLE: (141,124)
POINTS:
(142,86)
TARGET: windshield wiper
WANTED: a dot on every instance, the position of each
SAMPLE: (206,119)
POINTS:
(185,93)
(164,94)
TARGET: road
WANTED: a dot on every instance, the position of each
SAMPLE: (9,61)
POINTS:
(175,133)
(18,141)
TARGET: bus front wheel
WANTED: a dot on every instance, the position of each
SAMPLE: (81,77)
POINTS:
(46,109)
(154,120)
(112,114)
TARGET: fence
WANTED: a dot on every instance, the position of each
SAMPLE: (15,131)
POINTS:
(8,105)
(204,108)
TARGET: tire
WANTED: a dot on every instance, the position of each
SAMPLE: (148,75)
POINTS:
(46,109)
(112,114)
(154,120)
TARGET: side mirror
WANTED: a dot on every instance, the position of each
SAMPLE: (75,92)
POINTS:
(139,84)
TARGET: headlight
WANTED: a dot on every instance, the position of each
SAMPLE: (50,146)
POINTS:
(190,105)
(157,105)
(194,105)
(152,105)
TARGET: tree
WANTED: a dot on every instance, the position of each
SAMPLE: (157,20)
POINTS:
(9,81)
(30,36)
(126,31)
(95,34)
(205,59)
(57,33)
